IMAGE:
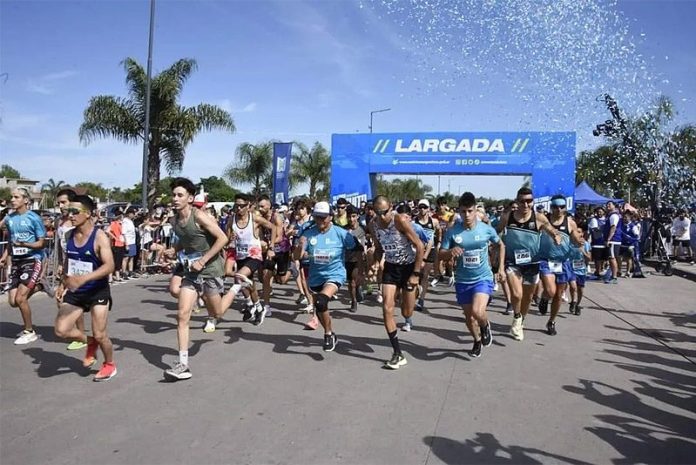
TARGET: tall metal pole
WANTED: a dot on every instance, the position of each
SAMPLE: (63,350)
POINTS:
(146,136)
(376,111)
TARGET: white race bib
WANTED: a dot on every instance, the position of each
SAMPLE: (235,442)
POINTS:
(471,258)
(20,251)
(322,257)
(555,267)
(78,268)
(578,264)
(522,257)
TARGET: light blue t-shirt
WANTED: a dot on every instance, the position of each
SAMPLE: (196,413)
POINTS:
(473,265)
(25,227)
(326,254)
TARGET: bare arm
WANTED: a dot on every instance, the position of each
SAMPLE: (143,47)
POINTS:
(404,226)
(545,226)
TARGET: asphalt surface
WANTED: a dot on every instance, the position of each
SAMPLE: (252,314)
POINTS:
(616,385)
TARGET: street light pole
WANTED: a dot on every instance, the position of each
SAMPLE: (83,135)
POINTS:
(376,111)
(146,136)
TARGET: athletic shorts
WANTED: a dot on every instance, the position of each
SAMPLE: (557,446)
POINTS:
(87,300)
(685,243)
(431,256)
(205,286)
(465,291)
(119,253)
(253,264)
(131,250)
(350,266)
(146,246)
(25,272)
(599,253)
(280,263)
(580,280)
(528,273)
(626,251)
(178,270)
(318,289)
(565,274)
(397,274)
(613,250)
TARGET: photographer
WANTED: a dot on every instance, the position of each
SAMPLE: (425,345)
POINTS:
(681,232)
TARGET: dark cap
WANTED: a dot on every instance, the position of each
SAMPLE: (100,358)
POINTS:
(341,201)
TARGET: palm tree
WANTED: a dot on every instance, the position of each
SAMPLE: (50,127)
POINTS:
(52,187)
(172,126)
(312,166)
(254,166)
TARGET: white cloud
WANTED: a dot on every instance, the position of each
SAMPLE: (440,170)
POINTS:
(227,105)
(42,84)
(249,107)
(58,75)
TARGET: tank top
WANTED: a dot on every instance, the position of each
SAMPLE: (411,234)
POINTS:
(83,260)
(284,244)
(247,244)
(397,248)
(428,227)
(195,241)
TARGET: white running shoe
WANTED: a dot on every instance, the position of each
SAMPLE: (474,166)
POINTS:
(269,310)
(496,286)
(517,330)
(209,325)
(406,327)
(309,308)
(25,337)
(380,299)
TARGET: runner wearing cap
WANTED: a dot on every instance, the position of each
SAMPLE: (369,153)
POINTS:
(324,244)
(431,226)
(403,254)
(467,243)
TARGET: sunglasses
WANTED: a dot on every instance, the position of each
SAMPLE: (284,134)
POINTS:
(560,207)
(527,201)
(341,207)
(424,207)
(239,206)
(382,212)
(75,211)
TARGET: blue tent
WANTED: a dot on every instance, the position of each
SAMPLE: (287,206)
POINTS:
(585,194)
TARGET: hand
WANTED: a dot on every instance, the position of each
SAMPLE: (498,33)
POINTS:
(270,253)
(456,252)
(557,239)
(73,283)
(500,276)
(60,293)
(413,282)
(197,266)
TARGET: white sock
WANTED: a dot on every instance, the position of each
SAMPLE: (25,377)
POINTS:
(183,357)
(235,289)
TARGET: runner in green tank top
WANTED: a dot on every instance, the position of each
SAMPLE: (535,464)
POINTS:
(200,242)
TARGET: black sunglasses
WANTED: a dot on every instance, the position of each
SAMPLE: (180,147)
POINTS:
(382,212)
(560,207)
(240,205)
(527,201)
(424,207)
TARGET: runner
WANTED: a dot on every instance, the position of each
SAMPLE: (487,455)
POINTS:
(276,266)
(522,229)
(26,243)
(581,256)
(557,270)
(431,226)
(405,210)
(244,229)
(613,232)
(355,259)
(403,253)
(324,245)
(445,217)
(467,242)
(84,286)
(200,241)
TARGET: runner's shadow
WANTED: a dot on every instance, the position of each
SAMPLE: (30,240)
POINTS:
(149,326)
(55,363)
(485,448)
(168,304)
(154,354)
(10,330)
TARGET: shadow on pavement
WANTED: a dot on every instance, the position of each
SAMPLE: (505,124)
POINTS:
(485,448)
(56,363)
(654,419)
(154,353)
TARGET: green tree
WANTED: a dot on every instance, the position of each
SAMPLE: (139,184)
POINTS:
(402,189)
(94,189)
(162,191)
(172,126)
(218,190)
(254,165)
(52,187)
(116,195)
(5,194)
(6,171)
(311,166)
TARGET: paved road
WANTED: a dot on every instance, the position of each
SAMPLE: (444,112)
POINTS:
(616,385)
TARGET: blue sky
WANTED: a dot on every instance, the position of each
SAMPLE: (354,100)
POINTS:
(296,70)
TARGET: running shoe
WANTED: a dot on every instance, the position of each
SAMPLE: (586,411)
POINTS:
(407,326)
(260,314)
(396,362)
(302,300)
(353,307)
(496,286)
(476,349)
(564,297)
(25,337)
(107,371)
(577,309)
(508,309)
(535,299)
(450,281)
(269,310)
(571,307)
(543,306)
(209,325)
(434,281)
(248,312)
(330,341)
(91,354)
(178,372)
(380,299)
(420,307)
(359,294)
(551,328)
(516,330)
(309,308)
(76,345)
(486,336)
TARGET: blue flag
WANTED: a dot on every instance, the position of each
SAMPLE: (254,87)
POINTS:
(281,171)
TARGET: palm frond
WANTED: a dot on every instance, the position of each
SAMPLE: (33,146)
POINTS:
(108,116)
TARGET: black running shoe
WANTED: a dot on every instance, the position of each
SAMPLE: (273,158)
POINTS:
(359,294)
(330,341)
(577,309)
(571,307)
(486,336)
(248,313)
(551,328)
(476,350)
(543,306)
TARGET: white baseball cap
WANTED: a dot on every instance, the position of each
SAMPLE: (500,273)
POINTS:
(321,209)
(425,202)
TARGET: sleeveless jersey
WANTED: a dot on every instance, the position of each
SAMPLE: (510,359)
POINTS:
(197,242)
(284,244)
(397,248)
(83,260)
(247,244)
(428,227)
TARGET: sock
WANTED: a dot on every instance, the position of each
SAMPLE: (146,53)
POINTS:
(183,357)
(409,321)
(235,289)
(394,342)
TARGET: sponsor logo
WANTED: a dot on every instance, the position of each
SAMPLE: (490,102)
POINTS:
(101,301)
(24,276)
(449,145)
(313,241)
(354,197)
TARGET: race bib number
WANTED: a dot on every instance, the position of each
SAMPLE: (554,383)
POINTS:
(78,268)
(556,267)
(390,247)
(522,257)
(578,264)
(242,250)
(471,258)
(20,251)
(322,257)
